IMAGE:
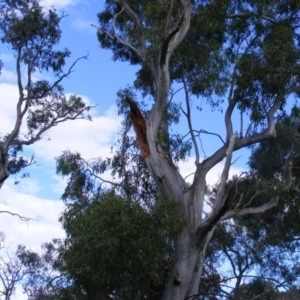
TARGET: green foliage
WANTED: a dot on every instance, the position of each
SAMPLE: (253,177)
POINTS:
(263,246)
(26,27)
(253,46)
(153,16)
(255,288)
(277,161)
(270,159)
(116,247)
(200,54)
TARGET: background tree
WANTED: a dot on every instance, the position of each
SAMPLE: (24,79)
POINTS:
(37,273)
(263,249)
(241,262)
(14,269)
(249,53)
(32,33)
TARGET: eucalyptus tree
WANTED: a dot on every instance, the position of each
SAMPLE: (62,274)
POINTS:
(36,273)
(14,269)
(243,55)
(32,33)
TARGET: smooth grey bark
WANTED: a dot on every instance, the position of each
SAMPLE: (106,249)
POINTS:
(186,255)
(194,285)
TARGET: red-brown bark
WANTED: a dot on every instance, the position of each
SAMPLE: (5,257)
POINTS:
(139,124)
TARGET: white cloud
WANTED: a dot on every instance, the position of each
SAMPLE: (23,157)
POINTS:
(59,3)
(84,25)
(9,95)
(44,212)
(59,185)
(90,138)
(29,186)
(6,57)
(213,176)
(33,233)
(8,76)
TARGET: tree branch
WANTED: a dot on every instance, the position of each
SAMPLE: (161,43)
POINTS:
(53,123)
(188,116)
(135,18)
(15,214)
(251,210)
(20,114)
(212,133)
(225,172)
(163,85)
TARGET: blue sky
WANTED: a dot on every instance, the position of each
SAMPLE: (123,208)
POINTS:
(97,80)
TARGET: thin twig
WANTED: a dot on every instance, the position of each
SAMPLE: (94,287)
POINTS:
(188,116)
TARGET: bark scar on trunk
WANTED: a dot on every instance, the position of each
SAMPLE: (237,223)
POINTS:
(139,124)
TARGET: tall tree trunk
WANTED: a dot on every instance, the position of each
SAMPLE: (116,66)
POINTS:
(194,285)
(186,273)
(184,267)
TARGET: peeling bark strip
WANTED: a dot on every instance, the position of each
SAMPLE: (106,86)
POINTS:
(139,124)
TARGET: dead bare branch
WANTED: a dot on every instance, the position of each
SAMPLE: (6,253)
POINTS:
(25,219)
